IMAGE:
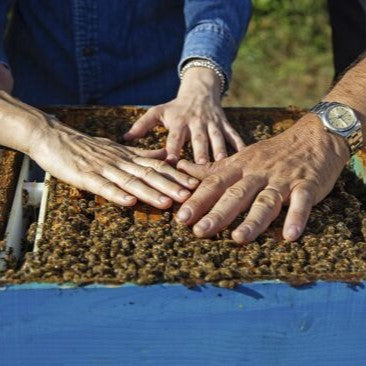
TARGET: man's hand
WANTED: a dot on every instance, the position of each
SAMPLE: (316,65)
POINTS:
(299,167)
(118,173)
(195,114)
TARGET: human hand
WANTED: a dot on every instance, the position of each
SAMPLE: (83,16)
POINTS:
(118,173)
(299,167)
(195,114)
(6,79)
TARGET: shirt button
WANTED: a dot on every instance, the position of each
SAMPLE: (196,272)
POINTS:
(88,51)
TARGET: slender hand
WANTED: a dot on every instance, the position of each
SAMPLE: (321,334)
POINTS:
(118,173)
(299,166)
(195,114)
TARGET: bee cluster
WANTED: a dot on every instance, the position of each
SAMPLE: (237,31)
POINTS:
(87,239)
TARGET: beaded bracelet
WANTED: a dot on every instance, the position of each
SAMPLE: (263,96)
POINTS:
(208,65)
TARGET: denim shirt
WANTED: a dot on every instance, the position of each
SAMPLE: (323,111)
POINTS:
(114,51)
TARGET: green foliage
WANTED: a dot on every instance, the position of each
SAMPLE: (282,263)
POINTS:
(286,57)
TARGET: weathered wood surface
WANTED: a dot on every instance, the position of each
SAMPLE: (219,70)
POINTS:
(256,324)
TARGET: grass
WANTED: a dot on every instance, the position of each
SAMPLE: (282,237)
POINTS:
(286,57)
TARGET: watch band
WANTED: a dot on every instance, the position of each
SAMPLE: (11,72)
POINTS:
(319,108)
(355,140)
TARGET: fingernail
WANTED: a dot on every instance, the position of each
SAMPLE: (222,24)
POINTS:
(164,199)
(184,193)
(193,181)
(221,156)
(203,225)
(127,135)
(172,157)
(292,232)
(202,161)
(243,234)
(183,214)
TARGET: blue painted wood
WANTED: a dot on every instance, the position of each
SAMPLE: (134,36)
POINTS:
(256,324)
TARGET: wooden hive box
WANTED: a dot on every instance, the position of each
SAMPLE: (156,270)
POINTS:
(57,320)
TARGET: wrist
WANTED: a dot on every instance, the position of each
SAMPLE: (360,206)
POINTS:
(312,130)
(200,81)
(18,122)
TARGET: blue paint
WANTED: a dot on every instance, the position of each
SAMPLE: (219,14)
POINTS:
(257,324)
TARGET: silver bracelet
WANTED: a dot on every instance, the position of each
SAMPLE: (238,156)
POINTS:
(208,65)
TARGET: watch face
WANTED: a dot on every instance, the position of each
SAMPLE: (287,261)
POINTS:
(341,118)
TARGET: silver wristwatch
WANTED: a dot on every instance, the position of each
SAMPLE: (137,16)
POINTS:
(341,119)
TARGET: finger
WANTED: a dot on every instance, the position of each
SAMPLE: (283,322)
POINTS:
(145,123)
(131,184)
(153,154)
(206,195)
(217,142)
(156,180)
(168,171)
(100,186)
(198,171)
(264,210)
(232,137)
(199,144)
(174,143)
(236,199)
(301,202)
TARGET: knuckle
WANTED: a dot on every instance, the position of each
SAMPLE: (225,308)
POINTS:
(197,121)
(216,216)
(161,164)
(216,132)
(148,172)
(213,182)
(298,214)
(305,194)
(106,189)
(198,137)
(267,201)
(253,223)
(129,179)
(81,162)
(236,192)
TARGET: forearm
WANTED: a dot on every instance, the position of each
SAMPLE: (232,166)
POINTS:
(19,123)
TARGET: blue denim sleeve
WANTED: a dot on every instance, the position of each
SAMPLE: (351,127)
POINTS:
(4,8)
(214,29)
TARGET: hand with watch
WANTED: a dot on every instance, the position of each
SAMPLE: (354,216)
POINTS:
(298,168)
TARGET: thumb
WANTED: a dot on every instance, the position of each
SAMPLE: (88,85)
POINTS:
(145,123)
(199,171)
